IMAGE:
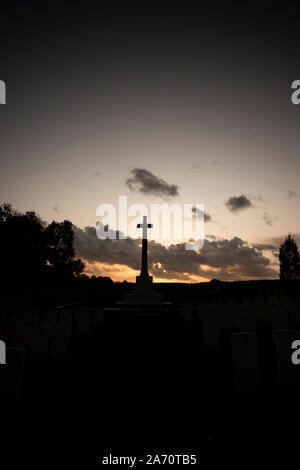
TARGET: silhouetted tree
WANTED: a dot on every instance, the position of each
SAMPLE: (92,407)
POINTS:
(31,251)
(60,251)
(22,245)
(289,258)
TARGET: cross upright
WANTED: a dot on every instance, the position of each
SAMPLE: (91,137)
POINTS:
(144,226)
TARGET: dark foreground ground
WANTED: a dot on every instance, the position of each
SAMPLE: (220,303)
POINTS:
(146,385)
(87,422)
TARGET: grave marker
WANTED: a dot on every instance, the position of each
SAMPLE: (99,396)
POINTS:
(245,359)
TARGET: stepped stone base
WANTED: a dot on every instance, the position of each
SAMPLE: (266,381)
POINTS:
(143,299)
(144,293)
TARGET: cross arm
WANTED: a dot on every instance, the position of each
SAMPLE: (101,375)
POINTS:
(142,225)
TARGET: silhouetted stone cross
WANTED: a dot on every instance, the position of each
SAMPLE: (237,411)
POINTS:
(144,226)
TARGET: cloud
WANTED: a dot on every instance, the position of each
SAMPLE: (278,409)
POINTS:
(238,203)
(258,198)
(57,209)
(278,240)
(147,183)
(268,219)
(98,173)
(224,259)
(272,248)
(199,213)
(195,166)
(264,246)
(291,194)
(216,163)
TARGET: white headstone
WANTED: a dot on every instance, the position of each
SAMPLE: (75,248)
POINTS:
(280,320)
(39,343)
(65,316)
(211,332)
(229,316)
(295,314)
(97,317)
(49,318)
(245,359)
(286,370)
(2,323)
(248,322)
(32,318)
(60,341)
(82,322)
(186,310)
(264,317)
(19,337)
(203,308)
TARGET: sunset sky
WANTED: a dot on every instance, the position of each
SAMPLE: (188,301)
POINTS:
(200,100)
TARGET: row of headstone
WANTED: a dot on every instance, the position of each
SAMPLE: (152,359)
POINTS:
(251,317)
(245,362)
(285,303)
(82,319)
(41,342)
(279,320)
(14,306)
(37,343)
(48,335)
(213,324)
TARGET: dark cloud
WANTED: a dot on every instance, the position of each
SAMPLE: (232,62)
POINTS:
(291,194)
(98,173)
(216,163)
(147,183)
(199,213)
(225,259)
(118,251)
(272,248)
(264,246)
(238,203)
(268,219)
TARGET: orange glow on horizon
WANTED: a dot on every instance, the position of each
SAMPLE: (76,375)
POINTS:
(120,273)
